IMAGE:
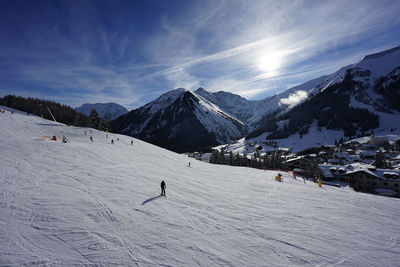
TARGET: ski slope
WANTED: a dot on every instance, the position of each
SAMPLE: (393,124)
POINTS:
(84,203)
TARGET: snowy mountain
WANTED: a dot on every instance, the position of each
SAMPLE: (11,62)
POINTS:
(109,111)
(252,112)
(180,120)
(98,204)
(366,96)
(348,103)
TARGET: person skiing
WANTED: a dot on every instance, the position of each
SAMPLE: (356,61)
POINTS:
(91,138)
(163,186)
(112,141)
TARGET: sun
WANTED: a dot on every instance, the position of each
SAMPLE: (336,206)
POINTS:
(270,64)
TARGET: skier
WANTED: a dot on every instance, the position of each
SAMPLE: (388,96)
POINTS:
(131,142)
(163,186)
(112,141)
(91,138)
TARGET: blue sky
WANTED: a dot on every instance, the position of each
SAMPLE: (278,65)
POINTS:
(130,52)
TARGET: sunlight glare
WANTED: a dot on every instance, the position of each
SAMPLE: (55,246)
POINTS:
(270,64)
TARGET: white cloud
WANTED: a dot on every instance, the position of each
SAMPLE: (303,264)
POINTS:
(294,98)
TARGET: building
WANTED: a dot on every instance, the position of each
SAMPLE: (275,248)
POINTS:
(302,165)
(374,180)
(364,177)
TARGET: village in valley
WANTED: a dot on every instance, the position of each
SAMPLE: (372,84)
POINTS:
(368,164)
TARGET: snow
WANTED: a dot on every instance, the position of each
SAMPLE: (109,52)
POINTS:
(381,64)
(84,203)
(217,121)
(316,137)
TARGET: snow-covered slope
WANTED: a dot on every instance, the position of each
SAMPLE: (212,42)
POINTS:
(94,203)
(110,111)
(181,120)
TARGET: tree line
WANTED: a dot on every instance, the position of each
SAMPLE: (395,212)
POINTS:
(271,160)
(62,113)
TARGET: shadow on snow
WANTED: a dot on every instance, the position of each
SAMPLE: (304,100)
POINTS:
(150,199)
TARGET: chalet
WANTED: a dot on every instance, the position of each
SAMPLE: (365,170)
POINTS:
(364,177)
(330,172)
(378,180)
(303,165)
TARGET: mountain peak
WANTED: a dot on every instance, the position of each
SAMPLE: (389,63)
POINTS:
(202,92)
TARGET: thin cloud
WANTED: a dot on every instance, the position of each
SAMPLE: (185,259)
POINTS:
(212,44)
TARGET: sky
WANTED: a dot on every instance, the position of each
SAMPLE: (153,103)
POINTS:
(130,52)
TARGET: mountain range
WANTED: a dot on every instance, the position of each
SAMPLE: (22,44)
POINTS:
(109,111)
(347,103)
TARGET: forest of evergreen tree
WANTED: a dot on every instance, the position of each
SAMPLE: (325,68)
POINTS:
(272,160)
(62,113)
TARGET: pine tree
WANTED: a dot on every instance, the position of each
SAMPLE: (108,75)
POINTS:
(94,120)
(231,158)
(104,125)
(214,157)
(222,157)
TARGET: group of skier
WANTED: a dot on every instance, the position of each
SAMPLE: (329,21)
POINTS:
(112,140)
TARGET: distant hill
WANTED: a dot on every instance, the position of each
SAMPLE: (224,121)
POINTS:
(109,111)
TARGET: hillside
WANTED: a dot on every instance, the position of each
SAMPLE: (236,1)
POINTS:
(94,203)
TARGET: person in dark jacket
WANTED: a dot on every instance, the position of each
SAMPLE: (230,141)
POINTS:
(163,186)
